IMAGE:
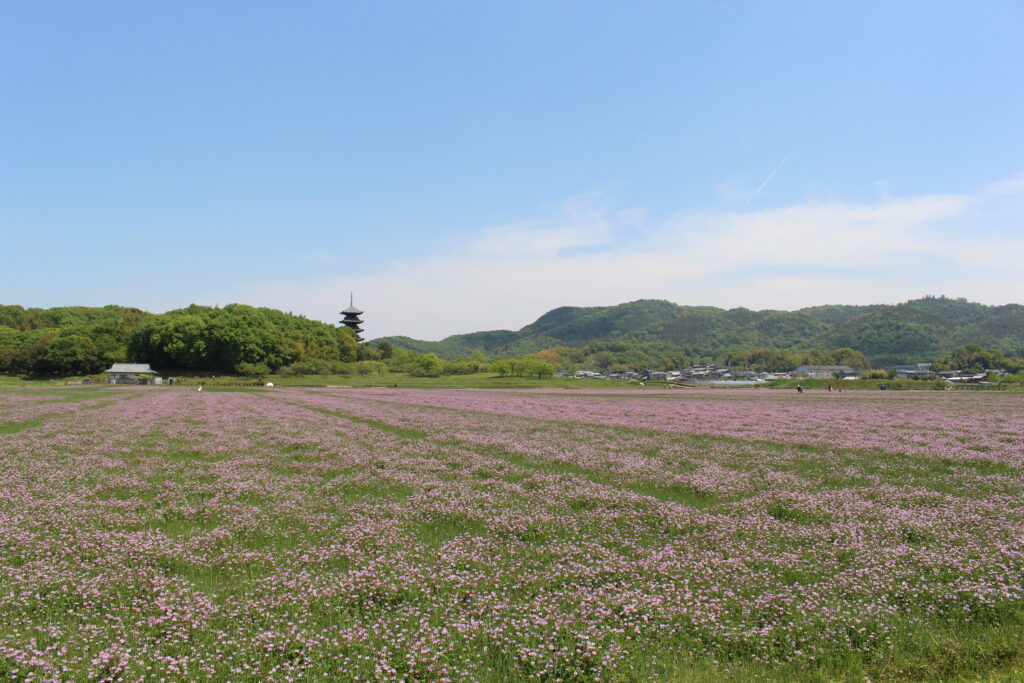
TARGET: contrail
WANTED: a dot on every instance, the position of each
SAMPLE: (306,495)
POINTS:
(770,176)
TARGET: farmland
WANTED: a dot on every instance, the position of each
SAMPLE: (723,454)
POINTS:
(396,534)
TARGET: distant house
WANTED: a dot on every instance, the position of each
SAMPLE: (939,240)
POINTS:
(823,371)
(130,373)
(919,371)
(964,377)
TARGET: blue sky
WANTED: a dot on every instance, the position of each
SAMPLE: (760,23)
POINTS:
(464,165)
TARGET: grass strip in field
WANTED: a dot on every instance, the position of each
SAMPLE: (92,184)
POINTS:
(101,404)
(404,432)
(824,466)
(820,458)
(15,427)
(67,395)
(106,404)
(240,390)
(664,492)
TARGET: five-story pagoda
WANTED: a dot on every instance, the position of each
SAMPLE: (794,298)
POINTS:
(352,319)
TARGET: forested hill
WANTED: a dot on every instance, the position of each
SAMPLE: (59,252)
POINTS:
(249,340)
(234,338)
(917,330)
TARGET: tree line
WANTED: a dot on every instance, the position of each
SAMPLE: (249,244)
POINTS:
(241,339)
(925,329)
(233,339)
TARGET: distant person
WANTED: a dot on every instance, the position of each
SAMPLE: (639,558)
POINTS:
(830,388)
(799,388)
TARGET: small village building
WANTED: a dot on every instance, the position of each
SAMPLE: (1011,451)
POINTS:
(919,371)
(964,377)
(824,371)
(130,373)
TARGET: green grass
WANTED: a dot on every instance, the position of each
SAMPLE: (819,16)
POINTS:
(308,522)
(17,381)
(934,651)
(849,384)
(189,456)
(15,427)
(57,394)
(474,381)
(664,492)
(21,381)
(181,527)
(248,390)
(438,531)
(374,491)
(481,380)
(404,432)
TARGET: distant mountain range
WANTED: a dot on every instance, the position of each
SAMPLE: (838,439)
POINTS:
(916,330)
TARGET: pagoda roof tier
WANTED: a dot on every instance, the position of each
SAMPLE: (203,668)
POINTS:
(352,310)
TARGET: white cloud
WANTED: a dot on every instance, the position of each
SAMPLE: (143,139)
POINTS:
(582,224)
(1013,186)
(807,254)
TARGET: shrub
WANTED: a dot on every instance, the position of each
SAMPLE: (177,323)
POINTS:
(461,367)
(428,365)
(252,369)
(876,374)
(317,366)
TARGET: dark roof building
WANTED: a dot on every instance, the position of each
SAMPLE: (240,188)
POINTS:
(919,371)
(352,320)
(130,373)
(823,371)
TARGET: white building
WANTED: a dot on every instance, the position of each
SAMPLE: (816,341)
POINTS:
(823,371)
(130,373)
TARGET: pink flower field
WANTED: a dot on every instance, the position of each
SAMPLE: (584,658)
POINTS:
(483,535)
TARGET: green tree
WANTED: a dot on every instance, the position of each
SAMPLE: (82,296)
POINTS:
(176,340)
(69,355)
(602,359)
(375,367)
(846,356)
(876,374)
(242,334)
(348,345)
(534,367)
(974,358)
(428,365)
(252,369)
(478,359)
(503,367)
(11,342)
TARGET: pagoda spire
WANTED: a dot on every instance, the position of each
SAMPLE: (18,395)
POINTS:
(351,317)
